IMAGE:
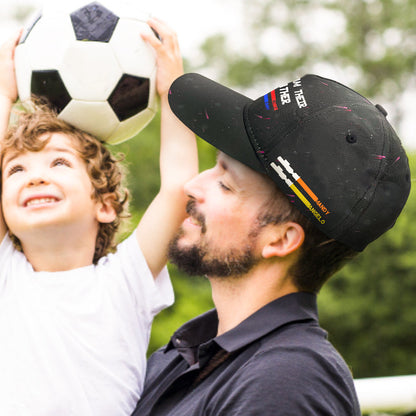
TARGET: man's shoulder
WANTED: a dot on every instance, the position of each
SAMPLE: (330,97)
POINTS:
(299,364)
(298,349)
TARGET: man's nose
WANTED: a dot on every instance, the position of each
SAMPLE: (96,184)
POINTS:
(195,187)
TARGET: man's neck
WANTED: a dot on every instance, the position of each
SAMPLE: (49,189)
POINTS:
(236,298)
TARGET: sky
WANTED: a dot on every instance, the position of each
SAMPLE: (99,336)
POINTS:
(194,21)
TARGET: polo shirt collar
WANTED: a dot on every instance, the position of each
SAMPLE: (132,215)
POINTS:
(295,307)
(291,308)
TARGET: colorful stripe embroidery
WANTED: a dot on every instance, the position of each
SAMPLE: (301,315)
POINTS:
(299,181)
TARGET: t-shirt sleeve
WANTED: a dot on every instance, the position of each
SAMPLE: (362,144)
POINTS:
(6,248)
(8,255)
(151,295)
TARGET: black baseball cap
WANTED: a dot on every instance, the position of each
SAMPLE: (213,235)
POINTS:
(329,149)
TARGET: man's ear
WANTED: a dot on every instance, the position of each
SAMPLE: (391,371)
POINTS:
(105,210)
(283,239)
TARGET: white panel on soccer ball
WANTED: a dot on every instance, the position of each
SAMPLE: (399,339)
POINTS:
(90,70)
(51,54)
(80,113)
(23,72)
(65,7)
(130,127)
(127,9)
(135,56)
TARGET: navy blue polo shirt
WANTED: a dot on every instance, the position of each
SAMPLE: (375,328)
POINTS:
(276,362)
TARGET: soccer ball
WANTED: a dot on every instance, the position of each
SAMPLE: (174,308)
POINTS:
(92,66)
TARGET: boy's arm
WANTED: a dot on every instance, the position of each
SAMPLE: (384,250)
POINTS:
(8,95)
(178,157)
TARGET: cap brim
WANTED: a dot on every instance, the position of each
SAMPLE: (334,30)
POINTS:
(216,114)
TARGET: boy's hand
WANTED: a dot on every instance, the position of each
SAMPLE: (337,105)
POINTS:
(8,87)
(169,60)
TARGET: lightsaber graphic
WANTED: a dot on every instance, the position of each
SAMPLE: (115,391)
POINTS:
(297,178)
(299,181)
(290,184)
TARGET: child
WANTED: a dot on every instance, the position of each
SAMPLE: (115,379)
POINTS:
(75,320)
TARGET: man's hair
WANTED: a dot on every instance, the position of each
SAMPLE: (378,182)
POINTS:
(319,257)
(104,170)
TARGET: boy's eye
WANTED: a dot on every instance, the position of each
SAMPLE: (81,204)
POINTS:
(14,169)
(60,161)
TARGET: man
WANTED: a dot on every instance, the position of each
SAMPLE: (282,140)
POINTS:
(306,177)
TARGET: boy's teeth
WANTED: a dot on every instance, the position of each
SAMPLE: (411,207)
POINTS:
(39,201)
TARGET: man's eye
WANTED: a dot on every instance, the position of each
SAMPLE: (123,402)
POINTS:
(225,187)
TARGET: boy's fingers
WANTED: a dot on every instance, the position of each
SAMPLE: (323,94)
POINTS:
(166,34)
(10,44)
(17,36)
(14,40)
(151,39)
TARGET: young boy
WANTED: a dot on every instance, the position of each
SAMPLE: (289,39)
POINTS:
(75,320)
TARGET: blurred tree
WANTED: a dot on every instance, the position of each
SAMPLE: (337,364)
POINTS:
(367,44)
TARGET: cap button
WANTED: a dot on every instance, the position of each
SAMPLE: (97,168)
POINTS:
(381,109)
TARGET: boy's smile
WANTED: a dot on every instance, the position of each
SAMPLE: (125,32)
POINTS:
(40,201)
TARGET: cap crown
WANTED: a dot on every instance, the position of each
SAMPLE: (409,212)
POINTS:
(334,154)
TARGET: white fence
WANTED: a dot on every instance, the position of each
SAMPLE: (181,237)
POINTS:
(387,394)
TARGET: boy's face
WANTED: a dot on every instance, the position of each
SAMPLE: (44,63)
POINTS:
(48,190)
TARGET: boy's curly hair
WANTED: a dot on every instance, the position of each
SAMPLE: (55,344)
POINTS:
(104,170)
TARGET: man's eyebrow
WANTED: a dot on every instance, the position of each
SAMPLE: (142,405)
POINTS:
(222,162)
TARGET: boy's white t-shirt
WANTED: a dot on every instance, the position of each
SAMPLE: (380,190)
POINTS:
(74,342)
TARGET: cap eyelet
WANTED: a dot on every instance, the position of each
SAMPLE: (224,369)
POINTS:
(350,138)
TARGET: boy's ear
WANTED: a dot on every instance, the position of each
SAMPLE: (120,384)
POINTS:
(283,239)
(105,210)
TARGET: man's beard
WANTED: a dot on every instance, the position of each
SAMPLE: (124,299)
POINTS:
(199,259)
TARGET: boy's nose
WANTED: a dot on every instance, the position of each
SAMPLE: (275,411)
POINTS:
(37,181)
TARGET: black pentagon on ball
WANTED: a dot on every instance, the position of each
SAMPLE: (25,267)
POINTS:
(94,22)
(130,96)
(48,85)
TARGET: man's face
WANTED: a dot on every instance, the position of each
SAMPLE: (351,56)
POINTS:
(222,235)
(48,189)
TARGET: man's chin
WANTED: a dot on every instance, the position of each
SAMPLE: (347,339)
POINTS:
(186,257)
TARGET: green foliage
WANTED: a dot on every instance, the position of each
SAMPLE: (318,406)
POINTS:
(141,158)
(192,297)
